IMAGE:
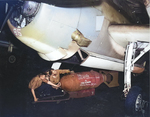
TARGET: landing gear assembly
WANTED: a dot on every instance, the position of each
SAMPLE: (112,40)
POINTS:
(134,103)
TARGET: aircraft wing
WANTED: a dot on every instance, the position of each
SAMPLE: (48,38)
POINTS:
(60,33)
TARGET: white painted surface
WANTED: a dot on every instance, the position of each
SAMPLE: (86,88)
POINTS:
(56,65)
(105,45)
(52,28)
(99,22)
(148,10)
(123,34)
(102,64)
(87,22)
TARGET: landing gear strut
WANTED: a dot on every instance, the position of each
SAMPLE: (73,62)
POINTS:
(134,102)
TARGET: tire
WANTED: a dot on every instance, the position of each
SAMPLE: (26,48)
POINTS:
(131,105)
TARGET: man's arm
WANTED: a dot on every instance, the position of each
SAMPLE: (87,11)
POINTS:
(34,96)
(55,86)
(63,71)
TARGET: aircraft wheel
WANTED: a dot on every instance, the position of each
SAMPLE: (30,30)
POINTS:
(134,103)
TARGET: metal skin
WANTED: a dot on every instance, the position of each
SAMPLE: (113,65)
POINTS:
(81,81)
(123,34)
(128,68)
(49,33)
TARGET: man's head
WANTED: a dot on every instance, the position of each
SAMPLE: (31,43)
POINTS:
(42,75)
